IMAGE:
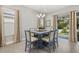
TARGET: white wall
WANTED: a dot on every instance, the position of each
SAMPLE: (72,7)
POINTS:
(27,18)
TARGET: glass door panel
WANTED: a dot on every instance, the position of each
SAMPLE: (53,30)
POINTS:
(63,26)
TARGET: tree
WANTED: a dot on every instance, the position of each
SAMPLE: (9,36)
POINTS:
(63,24)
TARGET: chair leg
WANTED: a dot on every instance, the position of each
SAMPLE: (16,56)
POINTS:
(54,46)
(57,38)
(49,49)
(57,41)
(25,48)
(30,48)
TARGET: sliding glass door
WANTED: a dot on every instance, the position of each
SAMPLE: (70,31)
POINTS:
(63,26)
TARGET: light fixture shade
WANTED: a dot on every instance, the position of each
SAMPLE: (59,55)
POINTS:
(43,15)
(40,15)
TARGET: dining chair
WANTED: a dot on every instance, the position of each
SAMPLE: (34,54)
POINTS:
(28,40)
(51,41)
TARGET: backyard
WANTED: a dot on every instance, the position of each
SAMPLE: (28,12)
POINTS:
(63,27)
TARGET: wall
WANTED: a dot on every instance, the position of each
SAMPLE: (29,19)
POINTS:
(27,18)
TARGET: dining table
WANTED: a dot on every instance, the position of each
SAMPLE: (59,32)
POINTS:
(39,43)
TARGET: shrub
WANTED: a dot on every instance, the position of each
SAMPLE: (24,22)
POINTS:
(64,30)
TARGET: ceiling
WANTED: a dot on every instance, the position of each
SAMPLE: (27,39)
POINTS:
(47,8)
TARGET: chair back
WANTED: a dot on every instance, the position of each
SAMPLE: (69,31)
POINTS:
(51,36)
(28,36)
(56,34)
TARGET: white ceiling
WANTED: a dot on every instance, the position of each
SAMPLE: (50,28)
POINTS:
(47,8)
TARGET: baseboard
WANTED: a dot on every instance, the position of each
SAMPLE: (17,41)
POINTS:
(9,42)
